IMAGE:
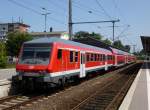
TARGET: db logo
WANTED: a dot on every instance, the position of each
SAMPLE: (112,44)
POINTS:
(31,67)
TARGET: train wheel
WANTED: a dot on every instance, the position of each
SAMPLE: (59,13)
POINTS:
(61,83)
(17,85)
(77,80)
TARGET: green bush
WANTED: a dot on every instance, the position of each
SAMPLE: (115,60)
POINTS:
(3,57)
(3,62)
(14,42)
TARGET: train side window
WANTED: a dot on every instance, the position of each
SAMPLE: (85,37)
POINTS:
(103,57)
(95,57)
(71,56)
(92,57)
(108,57)
(100,59)
(76,56)
(59,54)
(87,57)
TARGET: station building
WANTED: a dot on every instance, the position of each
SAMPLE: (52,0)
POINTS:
(6,28)
(146,46)
(58,34)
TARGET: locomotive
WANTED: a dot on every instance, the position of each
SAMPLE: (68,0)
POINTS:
(54,61)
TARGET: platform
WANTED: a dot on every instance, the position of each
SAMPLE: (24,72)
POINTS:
(138,96)
(7,73)
(5,81)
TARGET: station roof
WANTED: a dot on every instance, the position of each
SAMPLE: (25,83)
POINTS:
(146,43)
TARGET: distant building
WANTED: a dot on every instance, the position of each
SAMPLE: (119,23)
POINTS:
(6,28)
(58,34)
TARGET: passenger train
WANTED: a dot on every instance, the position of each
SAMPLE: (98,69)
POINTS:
(54,60)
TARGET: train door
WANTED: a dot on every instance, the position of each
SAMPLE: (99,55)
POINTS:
(64,60)
(82,64)
(126,59)
(116,60)
(106,62)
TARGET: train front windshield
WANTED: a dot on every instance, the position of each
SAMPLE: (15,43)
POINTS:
(34,54)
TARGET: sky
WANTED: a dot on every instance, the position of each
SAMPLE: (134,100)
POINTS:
(134,16)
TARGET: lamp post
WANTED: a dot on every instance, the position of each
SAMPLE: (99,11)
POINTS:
(45,21)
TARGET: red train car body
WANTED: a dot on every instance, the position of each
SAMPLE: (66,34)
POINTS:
(54,60)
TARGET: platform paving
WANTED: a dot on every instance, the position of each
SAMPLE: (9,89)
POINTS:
(7,73)
(138,96)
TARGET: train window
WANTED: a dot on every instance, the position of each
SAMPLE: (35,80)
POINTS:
(87,57)
(105,57)
(101,57)
(95,57)
(108,57)
(98,57)
(92,55)
(76,56)
(71,56)
(59,54)
(35,55)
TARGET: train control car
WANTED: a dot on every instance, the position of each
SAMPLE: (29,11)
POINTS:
(54,60)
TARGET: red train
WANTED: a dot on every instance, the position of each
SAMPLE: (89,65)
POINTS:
(54,60)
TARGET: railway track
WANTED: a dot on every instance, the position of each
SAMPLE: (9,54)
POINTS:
(109,97)
(14,102)
(100,99)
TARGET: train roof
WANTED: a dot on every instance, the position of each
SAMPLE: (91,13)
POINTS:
(117,51)
(55,39)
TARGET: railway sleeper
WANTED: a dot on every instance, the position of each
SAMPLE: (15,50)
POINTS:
(4,106)
(17,101)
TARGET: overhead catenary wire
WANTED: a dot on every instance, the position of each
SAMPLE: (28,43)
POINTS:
(33,10)
(23,6)
(56,4)
(87,8)
(118,10)
(99,4)
(125,29)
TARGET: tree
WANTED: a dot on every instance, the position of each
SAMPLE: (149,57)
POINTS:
(107,41)
(118,44)
(3,58)
(96,36)
(84,34)
(81,34)
(127,48)
(14,42)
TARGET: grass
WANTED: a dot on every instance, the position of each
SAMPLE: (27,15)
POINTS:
(8,66)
